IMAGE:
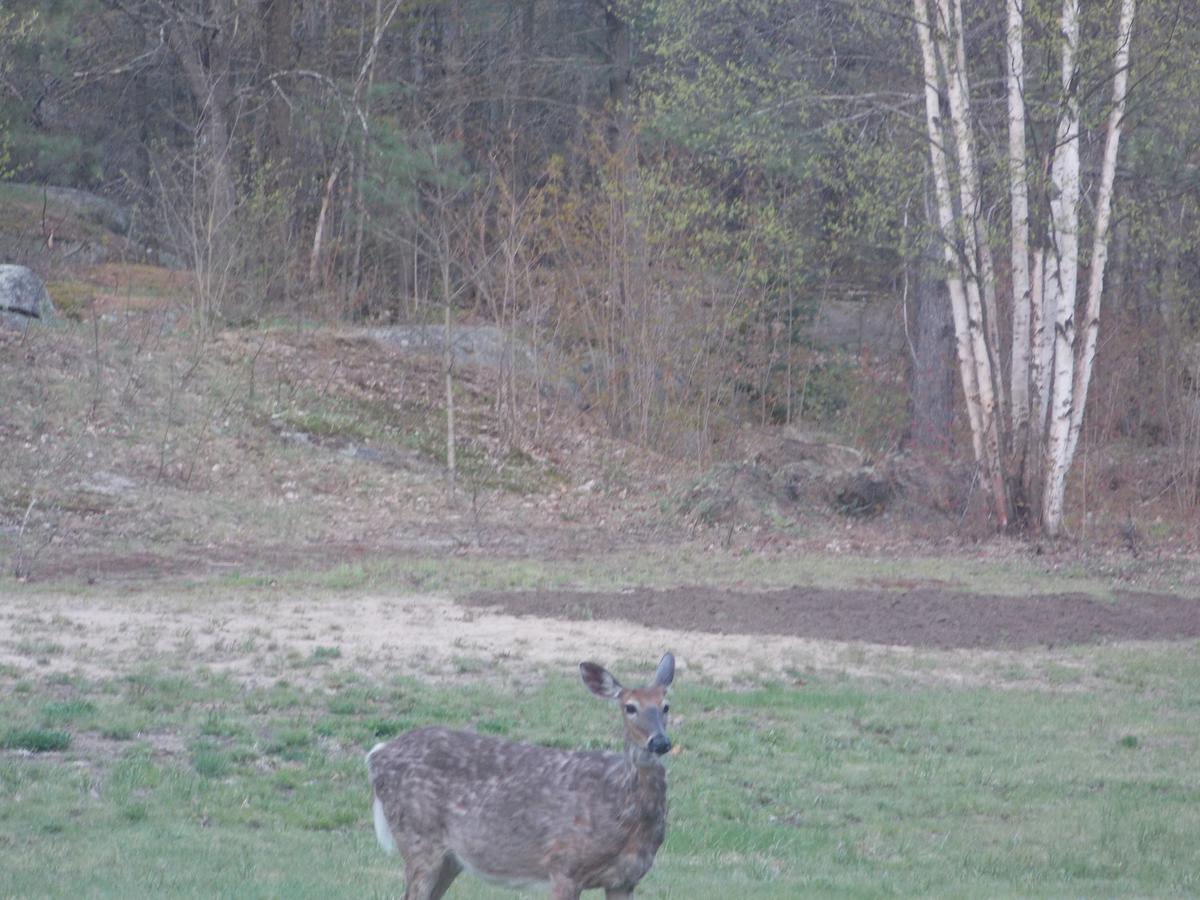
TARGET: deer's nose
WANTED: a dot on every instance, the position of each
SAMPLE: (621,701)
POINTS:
(659,744)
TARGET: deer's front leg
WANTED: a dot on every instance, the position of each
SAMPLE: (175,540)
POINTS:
(562,888)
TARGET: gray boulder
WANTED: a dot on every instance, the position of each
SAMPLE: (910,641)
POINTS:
(477,345)
(23,297)
(85,204)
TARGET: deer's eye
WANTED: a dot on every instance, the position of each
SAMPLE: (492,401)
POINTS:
(666,708)
(631,709)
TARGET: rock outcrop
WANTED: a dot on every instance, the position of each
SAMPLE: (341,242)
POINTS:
(23,297)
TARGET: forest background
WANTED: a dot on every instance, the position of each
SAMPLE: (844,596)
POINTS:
(678,208)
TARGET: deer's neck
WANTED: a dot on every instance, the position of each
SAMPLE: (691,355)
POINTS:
(645,781)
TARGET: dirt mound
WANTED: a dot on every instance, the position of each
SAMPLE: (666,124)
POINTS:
(922,617)
(789,479)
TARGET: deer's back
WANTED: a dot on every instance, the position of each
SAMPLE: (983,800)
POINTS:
(518,812)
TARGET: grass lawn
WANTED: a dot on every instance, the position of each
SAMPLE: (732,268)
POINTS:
(177,780)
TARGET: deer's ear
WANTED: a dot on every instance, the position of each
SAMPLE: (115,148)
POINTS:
(666,670)
(599,681)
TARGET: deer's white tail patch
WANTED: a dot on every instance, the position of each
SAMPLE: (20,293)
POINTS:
(383,833)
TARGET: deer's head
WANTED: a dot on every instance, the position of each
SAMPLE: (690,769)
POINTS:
(644,710)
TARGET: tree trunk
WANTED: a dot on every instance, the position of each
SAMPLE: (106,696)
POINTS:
(448,351)
(451,439)
(620,74)
(1039,386)
(1108,169)
(360,210)
(1041,318)
(945,212)
(278,56)
(1050,369)
(982,260)
(1062,273)
(517,103)
(972,262)
(1019,196)
(454,41)
(204,62)
(932,382)
(353,110)
(314,256)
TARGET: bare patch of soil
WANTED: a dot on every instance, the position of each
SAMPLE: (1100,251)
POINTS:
(307,638)
(260,639)
(920,617)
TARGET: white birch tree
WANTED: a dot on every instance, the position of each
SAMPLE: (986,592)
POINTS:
(1018,186)
(962,277)
(1062,271)
(1108,171)
(942,197)
(1073,361)
(1036,435)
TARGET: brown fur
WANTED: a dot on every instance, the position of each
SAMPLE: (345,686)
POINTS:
(522,815)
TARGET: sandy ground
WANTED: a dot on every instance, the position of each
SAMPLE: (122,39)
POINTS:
(260,639)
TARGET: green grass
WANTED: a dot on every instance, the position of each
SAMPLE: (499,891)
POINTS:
(675,565)
(176,784)
(209,760)
(36,740)
(667,566)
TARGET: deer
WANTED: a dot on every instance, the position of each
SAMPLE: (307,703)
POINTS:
(525,816)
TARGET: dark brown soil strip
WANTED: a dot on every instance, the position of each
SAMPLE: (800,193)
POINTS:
(923,617)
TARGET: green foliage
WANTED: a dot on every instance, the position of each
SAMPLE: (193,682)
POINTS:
(16,30)
(36,740)
(734,88)
(53,158)
(42,44)
(726,88)
(406,166)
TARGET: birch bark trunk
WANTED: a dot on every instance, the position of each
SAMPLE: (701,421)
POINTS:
(979,232)
(1019,196)
(1062,274)
(1051,366)
(1039,394)
(945,212)
(973,265)
(1041,315)
(943,203)
(1108,169)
